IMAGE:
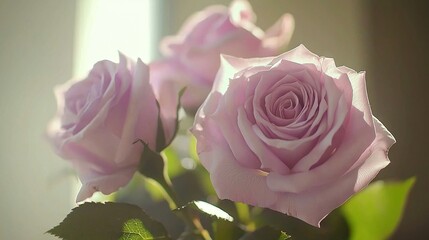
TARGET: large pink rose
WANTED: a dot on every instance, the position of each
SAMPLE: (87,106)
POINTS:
(192,57)
(100,117)
(292,133)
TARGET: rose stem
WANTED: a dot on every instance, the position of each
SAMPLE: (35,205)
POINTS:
(192,221)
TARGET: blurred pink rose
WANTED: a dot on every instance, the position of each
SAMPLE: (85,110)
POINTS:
(100,117)
(192,57)
(292,133)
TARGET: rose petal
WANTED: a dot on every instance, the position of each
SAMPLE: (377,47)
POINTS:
(313,205)
(142,113)
(106,184)
(229,179)
(356,140)
(269,161)
(226,118)
(280,33)
(241,12)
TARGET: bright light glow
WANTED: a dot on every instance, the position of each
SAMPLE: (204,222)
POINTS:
(105,27)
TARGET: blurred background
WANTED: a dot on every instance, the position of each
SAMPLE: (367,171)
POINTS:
(45,43)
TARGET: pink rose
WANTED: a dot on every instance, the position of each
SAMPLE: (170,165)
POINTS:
(100,117)
(292,133)
(192,57)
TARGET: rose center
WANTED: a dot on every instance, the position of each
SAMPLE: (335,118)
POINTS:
(285,105)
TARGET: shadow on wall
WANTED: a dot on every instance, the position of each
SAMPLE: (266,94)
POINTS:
(399,37)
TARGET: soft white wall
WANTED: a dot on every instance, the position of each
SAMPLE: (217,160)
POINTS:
(36,46)
(42,44)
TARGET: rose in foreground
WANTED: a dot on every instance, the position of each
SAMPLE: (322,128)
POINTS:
(192,56)
(100,117)
(292,133)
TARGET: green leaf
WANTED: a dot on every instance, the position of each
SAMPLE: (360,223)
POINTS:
(155,190)
(151,164)
(106,221)
(193,147)
(173,161)
(134,229)
(224,230)
(333,227)
(179,96)
(375,212)
(208,210)
(266,233)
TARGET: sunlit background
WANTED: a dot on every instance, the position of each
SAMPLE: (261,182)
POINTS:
(46,42)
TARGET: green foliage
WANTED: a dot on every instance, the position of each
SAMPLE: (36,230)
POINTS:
(109,221)
(374,213)
(179,96)
(224,226)
(266,233)
(243,213)
(225,230)
(156,192)
(134,229)
(193,147)
(207,209)
(151,164)
(333,227)
(173,161)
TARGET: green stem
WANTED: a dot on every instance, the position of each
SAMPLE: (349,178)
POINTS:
(192,221)
(244,216)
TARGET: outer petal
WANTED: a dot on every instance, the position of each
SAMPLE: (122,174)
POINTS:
(227,119)
(204,129)
(280,33)
(105,183)
(299,55)
(241,12)
(313,205)
(230,66)
(194,28)
(234,182)
(142,114)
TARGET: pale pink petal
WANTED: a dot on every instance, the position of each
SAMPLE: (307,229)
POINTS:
(299,55)
(230,66)
(269,161)
(234,182)
(280,33)
(313,205)
(241,12)
(327,140)
(356,140)
(194,28)
(227,121)
(142,114)
(205,129)
(105,183)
